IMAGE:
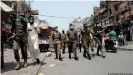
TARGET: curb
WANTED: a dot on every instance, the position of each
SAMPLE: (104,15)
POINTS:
(125,49)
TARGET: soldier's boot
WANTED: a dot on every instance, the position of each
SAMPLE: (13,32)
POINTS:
(84,54)
(93,52)
(89,57)
(18,66)
(60,58)
(56,56)
(76,58)
(69,55)
(25,63)
(98,50)
(38,61)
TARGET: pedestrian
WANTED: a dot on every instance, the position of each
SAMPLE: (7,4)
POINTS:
(56,37)
(86,32)
(63,41)
(19,30)
(33,45)
(72,42)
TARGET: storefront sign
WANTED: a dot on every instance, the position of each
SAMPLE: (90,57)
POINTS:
(35,12)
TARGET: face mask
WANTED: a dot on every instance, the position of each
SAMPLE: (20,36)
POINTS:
(71,27)
(31,21)
(21,17)
(56,29)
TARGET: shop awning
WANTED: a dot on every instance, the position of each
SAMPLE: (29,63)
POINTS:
(5,7)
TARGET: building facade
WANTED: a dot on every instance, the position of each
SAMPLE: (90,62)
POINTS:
(113,11)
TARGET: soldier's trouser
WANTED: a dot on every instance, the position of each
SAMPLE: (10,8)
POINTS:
(72,48)
(2,55)
(57,48)
(63,46)
(80,46)
(86,44)
(99,41)
(21,43)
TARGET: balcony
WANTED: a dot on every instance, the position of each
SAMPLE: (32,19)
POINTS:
(126,8)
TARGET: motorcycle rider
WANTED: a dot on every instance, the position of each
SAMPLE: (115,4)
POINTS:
(112,35)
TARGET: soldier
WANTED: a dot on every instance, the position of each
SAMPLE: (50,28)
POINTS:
(20,39)
(56,37)
(63,41)
(86,32)
(98,38)
(33,40)
(72,39)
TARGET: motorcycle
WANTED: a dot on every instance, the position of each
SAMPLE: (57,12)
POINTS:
(112,44)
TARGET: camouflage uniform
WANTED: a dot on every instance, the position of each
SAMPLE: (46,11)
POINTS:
(86,41)
(56,36)
(20,39)
(98,38)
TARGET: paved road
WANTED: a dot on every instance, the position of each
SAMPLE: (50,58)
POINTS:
(121,62)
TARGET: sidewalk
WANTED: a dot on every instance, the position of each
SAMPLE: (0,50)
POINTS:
(10,64)
(128,47)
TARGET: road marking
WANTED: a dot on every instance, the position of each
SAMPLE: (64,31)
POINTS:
(40,74)
(52,65)
(43,66)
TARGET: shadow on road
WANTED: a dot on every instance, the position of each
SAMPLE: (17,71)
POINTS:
(9,66)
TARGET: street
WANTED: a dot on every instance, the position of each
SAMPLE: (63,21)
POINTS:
(120,62)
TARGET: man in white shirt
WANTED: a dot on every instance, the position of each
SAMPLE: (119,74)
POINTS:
(33,45)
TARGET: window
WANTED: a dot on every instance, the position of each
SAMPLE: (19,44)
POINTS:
(117,18)
(132,17)
(110,11)
(116,8)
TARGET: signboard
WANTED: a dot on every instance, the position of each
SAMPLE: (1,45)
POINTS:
(35,12)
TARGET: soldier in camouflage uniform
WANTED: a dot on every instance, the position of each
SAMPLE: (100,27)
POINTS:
(98,34)
(86,32)
(56,37)
(20,40)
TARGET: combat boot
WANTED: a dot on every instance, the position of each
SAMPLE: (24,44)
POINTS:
(89,57)
(70,56)
(38,61)
(56,56)
(60,58)
(76,58)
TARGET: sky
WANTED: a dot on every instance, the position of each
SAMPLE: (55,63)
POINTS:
(73,9)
